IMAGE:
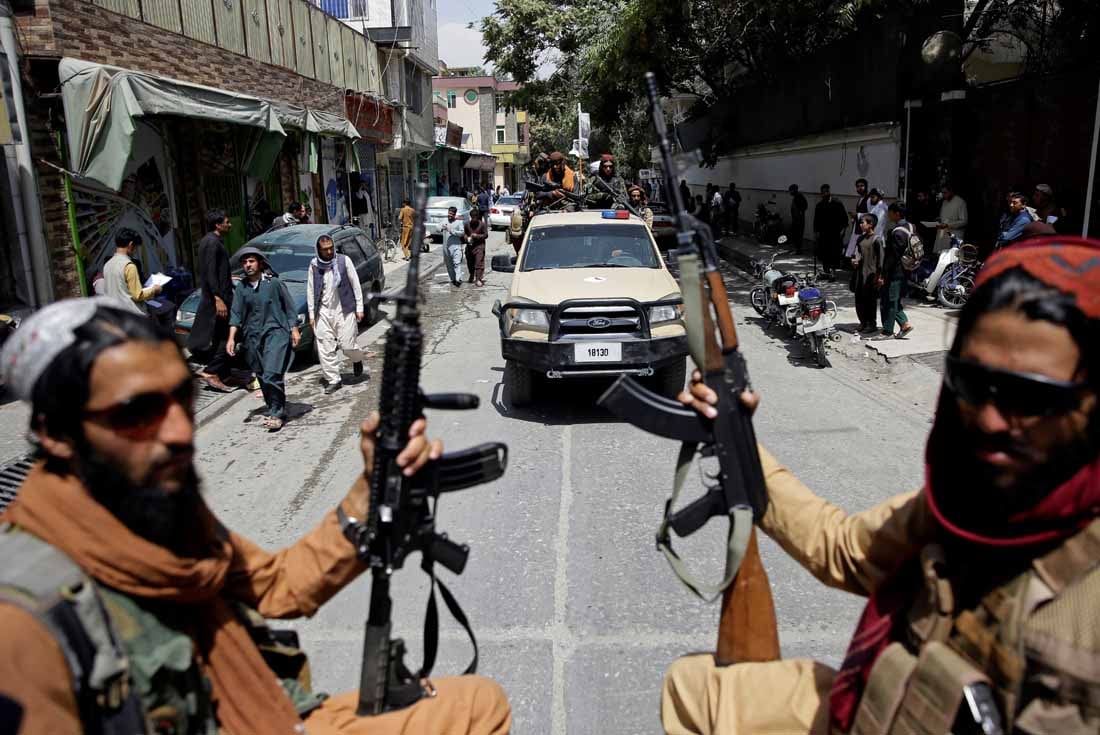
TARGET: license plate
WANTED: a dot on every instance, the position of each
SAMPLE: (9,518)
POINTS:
(598,352)
(815,326)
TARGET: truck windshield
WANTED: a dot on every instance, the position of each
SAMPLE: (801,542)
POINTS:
(589,246)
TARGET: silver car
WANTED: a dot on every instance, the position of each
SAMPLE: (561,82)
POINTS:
(437,214)
(500,213)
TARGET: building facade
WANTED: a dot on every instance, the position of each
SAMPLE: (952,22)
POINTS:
(243,108)
(479,104)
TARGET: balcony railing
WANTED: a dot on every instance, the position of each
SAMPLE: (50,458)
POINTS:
(306,37)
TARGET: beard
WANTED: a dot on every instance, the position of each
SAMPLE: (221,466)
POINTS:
(985,496)
(153,512)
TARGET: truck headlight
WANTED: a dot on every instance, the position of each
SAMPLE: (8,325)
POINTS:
(668,313)
(531,317)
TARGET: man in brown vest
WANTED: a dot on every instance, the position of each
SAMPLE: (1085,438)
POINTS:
(984,583)
(115,497)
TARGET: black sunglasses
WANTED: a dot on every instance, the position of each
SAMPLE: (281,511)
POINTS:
(145,409)
(1013,393)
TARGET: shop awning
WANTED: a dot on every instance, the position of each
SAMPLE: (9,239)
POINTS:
(102,101)
(479,160)
(315,121)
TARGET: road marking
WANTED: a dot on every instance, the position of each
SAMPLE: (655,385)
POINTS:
(562,640)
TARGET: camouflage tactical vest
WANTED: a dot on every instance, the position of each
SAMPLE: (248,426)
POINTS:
(1035,640)
(138,671)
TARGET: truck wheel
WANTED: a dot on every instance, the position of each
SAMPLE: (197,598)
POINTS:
(671,378)
(520,383)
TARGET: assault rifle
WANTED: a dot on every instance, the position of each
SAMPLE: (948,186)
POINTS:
(747,628)
(600,183)
(401,517)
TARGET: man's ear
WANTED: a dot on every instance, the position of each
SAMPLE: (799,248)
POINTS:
(59,447)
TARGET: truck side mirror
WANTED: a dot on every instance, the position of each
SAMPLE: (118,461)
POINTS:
(504,263)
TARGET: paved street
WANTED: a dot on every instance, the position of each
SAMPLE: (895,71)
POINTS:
(576,612)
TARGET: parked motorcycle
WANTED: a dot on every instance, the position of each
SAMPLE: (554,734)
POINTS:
(816,321)
(776,292)
(768,225)
(947,277)
(957,282)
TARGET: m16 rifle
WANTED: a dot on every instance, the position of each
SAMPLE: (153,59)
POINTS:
(747,628)
(401,517)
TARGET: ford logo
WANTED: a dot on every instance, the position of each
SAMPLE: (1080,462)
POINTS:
(599,322)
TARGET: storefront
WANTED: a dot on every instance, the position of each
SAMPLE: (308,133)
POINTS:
(133,166)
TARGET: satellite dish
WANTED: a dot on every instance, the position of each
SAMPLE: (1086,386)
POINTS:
(941,48)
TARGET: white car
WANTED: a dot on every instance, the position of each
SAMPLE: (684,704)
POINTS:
(500,214)
(437,214)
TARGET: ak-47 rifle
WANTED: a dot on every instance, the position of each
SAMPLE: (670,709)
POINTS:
(598,182)
(401,517)
(747,628)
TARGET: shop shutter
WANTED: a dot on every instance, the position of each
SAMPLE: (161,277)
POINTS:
(256,14)
(303,39)
(130,8)
(229,24)
(322,59)
(336,52)
(198,22)
(163,14)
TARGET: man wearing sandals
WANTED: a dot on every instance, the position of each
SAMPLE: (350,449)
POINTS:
(264,312)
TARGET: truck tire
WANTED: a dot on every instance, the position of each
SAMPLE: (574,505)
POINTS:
(671,378)
(520,383)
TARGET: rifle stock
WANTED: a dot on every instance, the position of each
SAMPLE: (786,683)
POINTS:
(747,629)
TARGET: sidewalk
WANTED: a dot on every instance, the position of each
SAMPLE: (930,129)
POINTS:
(933,326)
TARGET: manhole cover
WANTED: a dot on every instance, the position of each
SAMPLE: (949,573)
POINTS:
(11,477)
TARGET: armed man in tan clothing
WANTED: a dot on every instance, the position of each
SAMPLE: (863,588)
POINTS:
(125,606)
(983,586)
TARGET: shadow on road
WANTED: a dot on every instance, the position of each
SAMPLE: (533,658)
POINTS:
(557,402)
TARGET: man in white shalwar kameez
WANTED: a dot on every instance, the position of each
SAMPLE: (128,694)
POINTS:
(335,301)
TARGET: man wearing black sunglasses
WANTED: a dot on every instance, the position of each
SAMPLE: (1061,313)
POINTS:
(114,565)
(984,586)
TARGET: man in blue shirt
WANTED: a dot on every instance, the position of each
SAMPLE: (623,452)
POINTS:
(1014,222)
(484,202)
(263,310)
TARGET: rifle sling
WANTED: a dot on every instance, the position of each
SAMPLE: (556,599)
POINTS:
(740,528)
(353,529)
(431,626)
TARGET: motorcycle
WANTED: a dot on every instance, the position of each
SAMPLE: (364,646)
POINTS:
(957,282)
(768,225)
(776,293)
(816,320)
(949,277)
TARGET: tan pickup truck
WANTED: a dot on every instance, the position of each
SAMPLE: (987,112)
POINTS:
(590,297)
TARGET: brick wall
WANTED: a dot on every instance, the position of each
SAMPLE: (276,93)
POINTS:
(79,29)
(85,31)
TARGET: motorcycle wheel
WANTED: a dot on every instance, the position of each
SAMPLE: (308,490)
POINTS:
(817,343)
(954,289)
(759,299)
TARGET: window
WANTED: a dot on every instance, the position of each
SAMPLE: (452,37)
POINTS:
(348,247)
(466,139)
(414,93)
(500,102)
(500,134)
(366,246)
(452,99)
(519,133)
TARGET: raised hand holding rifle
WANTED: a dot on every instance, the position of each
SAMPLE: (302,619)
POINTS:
(747,628)
(407,475)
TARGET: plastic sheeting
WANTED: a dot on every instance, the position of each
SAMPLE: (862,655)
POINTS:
(101,103)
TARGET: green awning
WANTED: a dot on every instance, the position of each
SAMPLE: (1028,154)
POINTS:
(322,123)
(101,103)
